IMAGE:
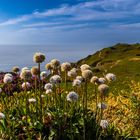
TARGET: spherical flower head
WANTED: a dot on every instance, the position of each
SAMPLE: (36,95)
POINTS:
(48,66)
(87,74)
(8,74)
(101,80)
(74,69)
(72,73)
(35,71)
(0,90)
(24,68)
(104,124)
(102,106)
(26,85)
(76,83)
(43,74)
(79,78)
(94,80)
(56,79)
(26,75)
(110,77)
(48,91)
(42,96)
(55,63)
(15,69)
(32,100)
(39,57)
(2,116)
(65,66)
(103,89)
(48,86)
(7,79)
(72,96)
(85,67)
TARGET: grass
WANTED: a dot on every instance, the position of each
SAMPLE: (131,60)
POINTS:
(52,117)
(121,59)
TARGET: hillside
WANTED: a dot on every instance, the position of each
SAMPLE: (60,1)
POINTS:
(121,59)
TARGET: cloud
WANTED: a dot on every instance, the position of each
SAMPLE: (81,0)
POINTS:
(42,24)
(98,21)
(56,26)
(128,26)
(16,20)
(84,11)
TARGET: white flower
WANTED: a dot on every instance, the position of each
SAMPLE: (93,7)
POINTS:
(2,116)
(110,77)
(16,69)
(35,71)
(72,73)
(102,106)
(72,96)
(48,66)
(104,124)
(94,80)
(42,96)
(43,74)
(87,74)
(65,66)
(24,68)
(38,57)
(32,100)
(74,69)
(26,85)
(85,67)
(48,86)
(56,79)
(79,78)
(8,74)
(103,89)
(7,79)
(101,80)
(76,82)
(55,63)
(48,91)
(0,90)
(25,74)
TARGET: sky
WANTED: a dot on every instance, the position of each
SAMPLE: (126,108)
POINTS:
(76,22)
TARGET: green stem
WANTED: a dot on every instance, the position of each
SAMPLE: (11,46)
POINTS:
(66,80)
(85,109)
(26,95)
(96,101)
(101,108)
(40,92)
(36,98)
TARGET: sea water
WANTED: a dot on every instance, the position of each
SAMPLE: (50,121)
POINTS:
(22,55)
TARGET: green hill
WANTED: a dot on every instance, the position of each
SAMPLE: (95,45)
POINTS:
(121,59)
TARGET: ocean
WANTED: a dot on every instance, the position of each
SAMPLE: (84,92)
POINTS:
(22,55)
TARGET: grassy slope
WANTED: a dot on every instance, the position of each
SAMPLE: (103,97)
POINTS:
(121,59)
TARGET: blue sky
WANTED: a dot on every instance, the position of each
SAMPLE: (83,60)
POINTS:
(76,22)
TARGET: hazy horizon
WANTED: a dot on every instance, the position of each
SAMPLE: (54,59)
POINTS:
(22,55)
(68,29)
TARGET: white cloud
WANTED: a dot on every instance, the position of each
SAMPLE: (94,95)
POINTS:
(82,20)
(85,11)
(60,27)
(127,26)
(16,20)
(42,24)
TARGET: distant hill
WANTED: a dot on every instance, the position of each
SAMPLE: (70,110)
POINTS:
(121,59)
